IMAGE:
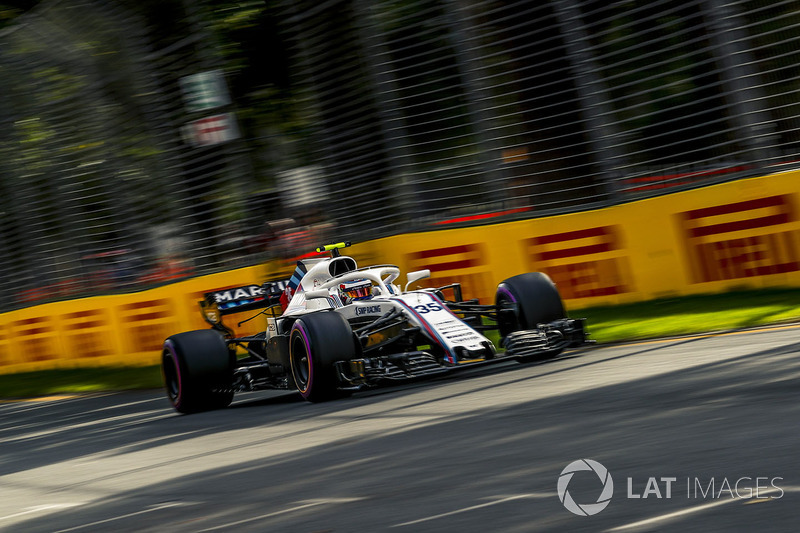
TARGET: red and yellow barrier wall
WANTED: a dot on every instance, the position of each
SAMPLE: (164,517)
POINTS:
(740,234)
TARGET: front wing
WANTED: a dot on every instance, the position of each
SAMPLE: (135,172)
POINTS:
(546,340)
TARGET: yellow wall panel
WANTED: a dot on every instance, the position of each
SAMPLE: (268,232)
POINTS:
(740,234)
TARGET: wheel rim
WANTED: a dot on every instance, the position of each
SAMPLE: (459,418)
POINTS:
(506,300)
(171,378)
(301,365)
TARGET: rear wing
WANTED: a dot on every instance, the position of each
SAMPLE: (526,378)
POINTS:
(217,304)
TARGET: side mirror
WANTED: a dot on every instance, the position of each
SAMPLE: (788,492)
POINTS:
(318,293)
(211,312)
(416,276)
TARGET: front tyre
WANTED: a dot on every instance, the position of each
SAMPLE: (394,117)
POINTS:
(526,300)
(198,371)
(316,342)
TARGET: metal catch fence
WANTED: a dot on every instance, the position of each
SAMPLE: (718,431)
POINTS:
(126,161)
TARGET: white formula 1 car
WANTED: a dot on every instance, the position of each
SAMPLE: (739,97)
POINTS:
(333,328)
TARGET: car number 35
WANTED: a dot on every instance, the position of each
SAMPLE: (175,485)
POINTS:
(427,308)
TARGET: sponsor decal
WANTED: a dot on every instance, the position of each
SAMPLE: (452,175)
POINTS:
(583,263)
(441,323)
(253,291)
(449,258)
(465,264)
(368,310)
(741,240)
(209,131)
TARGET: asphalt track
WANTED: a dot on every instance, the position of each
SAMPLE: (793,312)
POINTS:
(478,451)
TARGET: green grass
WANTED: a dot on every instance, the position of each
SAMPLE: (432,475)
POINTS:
(691,314)
(656,318)
(79,380)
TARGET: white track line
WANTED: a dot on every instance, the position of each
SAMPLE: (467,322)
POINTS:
(310,503)
(113,422)
(39,509)
(691,510)
(669,516)
(473,507)
(120,517)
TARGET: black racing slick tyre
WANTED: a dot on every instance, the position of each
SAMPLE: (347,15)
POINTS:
(197,367)
(316,342)
(526,300)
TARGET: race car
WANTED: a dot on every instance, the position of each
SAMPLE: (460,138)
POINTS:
(334,328)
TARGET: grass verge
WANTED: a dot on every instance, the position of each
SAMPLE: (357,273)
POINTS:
(655,318)
(691,314)
(79,380)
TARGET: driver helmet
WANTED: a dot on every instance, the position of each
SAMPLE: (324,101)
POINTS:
(360,289)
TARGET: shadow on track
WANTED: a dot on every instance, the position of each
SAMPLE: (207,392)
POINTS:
(729,418)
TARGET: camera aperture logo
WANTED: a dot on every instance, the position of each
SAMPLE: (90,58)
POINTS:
(585,509)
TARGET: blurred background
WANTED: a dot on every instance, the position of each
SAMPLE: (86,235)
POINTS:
(145,142)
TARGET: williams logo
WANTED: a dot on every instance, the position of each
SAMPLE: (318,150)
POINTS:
(585,509)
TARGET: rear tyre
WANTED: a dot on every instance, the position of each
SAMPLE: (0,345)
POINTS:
(316,342)
(526,300)
(198,371)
